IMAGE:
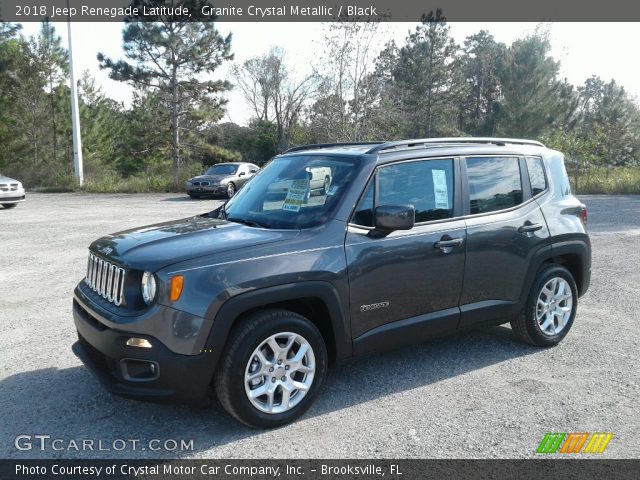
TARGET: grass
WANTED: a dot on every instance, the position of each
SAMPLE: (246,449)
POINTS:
(112,183)
(609,181)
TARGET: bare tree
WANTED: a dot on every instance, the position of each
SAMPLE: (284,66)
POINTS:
(351,48)
(274,93)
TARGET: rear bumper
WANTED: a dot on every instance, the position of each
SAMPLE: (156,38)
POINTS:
(177,378)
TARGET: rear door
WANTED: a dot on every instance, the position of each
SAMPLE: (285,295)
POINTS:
(415,275)
(505,229)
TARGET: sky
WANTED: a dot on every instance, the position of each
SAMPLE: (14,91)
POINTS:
(583,49)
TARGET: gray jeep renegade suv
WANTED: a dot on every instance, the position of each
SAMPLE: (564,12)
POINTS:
(406,241)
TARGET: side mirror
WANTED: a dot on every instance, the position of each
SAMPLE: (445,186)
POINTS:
(389,218)
(241,174)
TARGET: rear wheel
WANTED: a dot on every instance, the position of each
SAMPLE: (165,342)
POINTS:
(274,365)
(550,309)
(9,205)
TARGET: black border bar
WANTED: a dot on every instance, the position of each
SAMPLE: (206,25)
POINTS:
(321,10)
(565,469)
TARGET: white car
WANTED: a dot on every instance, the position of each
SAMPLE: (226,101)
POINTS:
(319,181)
(11,192)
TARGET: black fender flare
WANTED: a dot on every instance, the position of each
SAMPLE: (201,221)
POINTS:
(236,306)
(578,247)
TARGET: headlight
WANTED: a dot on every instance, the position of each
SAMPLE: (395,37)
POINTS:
(148,287)
(189,183)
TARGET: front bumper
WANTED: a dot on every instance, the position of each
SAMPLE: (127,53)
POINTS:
(207,190)
(12,196)
(176,378)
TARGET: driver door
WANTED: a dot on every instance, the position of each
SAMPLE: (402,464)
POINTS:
(407,285)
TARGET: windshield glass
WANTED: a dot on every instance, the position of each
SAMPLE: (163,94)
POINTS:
(293,192)
(222,169)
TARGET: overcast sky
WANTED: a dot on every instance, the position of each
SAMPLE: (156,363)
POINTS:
(604,49)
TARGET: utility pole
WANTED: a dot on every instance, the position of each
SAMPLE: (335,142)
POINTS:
(75,113)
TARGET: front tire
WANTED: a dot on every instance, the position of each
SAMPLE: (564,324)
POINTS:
(231,189)
(272,370)
(9,205)
(550,309)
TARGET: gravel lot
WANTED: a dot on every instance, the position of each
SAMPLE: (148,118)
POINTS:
(477,395)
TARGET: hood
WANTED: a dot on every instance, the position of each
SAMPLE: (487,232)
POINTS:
(157,246)
(4,179)
(210,178)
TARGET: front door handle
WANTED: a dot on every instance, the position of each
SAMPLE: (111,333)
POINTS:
(530,227)
(446,243)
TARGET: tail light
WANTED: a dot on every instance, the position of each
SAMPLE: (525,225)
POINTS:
(583,214)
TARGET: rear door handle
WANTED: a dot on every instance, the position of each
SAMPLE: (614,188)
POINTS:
(530,227)
(446,243)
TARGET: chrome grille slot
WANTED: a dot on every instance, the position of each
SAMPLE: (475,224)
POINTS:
(105,278)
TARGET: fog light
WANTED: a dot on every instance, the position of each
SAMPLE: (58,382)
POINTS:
(139,342)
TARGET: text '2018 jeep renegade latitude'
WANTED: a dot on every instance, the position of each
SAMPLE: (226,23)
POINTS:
(407,241)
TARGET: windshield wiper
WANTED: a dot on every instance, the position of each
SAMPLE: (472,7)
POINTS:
(249,223)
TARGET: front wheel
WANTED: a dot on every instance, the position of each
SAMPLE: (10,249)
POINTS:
(231,190)
(9,205)
(273,367)
(550,309)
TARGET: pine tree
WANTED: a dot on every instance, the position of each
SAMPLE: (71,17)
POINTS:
(428,81)
(530,89)
(172,56)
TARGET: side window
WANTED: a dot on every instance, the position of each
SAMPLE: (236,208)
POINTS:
(535,168)
(425,184)
(494,183)
(364,211)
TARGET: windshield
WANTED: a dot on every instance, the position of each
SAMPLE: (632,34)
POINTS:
(293,192)
(222,169)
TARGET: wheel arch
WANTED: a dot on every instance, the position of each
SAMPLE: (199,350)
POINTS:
(574,255)
(316,300)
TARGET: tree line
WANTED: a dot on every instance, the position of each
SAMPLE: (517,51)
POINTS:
(428,86)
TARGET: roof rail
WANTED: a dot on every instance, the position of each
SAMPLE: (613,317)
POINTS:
(452,140)
(313,146)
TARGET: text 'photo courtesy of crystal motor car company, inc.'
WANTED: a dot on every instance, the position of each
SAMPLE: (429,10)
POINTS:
(328,252)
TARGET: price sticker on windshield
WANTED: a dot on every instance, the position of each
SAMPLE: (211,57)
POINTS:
(296,195)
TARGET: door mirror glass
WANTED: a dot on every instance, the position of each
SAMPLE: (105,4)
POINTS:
(395,217)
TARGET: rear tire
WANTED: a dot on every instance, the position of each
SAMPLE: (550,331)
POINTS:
(264,386)
(9,205)
(550,309)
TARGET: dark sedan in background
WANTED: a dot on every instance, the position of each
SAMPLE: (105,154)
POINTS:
(221,179)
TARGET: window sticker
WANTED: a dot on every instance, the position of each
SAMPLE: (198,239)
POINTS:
(296,195)
(440,189)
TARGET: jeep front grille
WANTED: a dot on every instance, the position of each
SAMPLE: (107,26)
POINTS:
(106,279)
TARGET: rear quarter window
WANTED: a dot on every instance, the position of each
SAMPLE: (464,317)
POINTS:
(538,180)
